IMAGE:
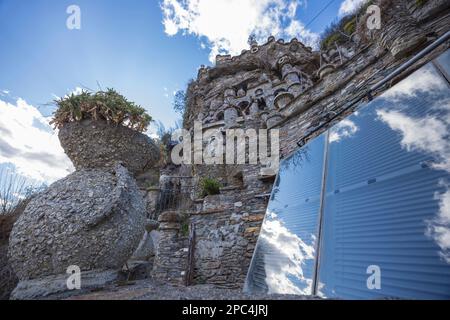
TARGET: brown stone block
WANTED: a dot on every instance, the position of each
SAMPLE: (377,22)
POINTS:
(169,216)
(254,217)
(252,230)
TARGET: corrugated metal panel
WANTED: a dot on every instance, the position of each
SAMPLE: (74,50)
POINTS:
(382,193)
(284,257)
(386,202)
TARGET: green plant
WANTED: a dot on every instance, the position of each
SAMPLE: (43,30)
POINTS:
(209,186)
(421,3)
(350,26)
(106,105)
(185,228)
(331,39)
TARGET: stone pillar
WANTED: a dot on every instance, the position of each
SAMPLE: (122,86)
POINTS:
(283,99)
(230,116)
(269,102)
(229,95)
(254,109)
(289,74)
(171,254)
(291,77)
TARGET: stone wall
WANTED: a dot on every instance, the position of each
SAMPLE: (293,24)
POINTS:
(171,250)
(317,90)
(226,228)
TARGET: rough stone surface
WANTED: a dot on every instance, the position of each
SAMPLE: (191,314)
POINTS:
(223,246)
(56,285)
(92,218)
(248,91)
(97,144)
(171,255)
(157,290)
(145,249)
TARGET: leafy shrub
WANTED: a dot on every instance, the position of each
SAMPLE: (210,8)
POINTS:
(185,228)
(106,105)
(210,186)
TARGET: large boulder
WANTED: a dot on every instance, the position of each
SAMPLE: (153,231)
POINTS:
(93,219)
(98,144)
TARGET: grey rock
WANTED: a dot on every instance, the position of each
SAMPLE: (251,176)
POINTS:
(145,250)
(55,286)
(97,144)
(63,226)
(138,270)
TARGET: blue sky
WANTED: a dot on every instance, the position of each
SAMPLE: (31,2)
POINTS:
(145,49)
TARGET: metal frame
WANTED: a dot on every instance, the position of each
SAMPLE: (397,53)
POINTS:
(375,87)
(318,246)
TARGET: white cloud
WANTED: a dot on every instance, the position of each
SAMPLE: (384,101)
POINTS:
(425,80)
(350,6)
(29,142)
(227,24)
(429,135)
(344,129)
(285,274)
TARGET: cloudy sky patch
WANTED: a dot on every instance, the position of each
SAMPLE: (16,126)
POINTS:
(29,142)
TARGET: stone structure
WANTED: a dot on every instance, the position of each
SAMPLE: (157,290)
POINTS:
(301,92)
(172,249)
(210,240)
(98,144)
(91,219)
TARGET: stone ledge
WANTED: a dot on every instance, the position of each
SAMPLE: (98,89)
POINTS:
(254,217)
(169,216)
(211,211)
(55,287)
(262,195)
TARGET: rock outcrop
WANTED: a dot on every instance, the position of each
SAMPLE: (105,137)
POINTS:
(92,218)
(98,144)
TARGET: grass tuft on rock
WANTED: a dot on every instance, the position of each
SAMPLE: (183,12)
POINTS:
(106,105)
(210,187)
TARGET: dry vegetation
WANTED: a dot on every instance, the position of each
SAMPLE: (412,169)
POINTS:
(106,105)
